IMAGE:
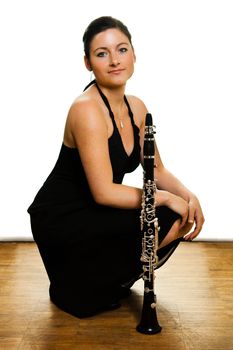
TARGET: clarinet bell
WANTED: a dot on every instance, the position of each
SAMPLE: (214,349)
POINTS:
(149,323)
(148,329)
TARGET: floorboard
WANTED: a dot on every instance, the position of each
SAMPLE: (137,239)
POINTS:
(195,305)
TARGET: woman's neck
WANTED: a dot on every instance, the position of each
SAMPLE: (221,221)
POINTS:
(115,96)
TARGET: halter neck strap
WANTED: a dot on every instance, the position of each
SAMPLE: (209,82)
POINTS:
(109,107)
(88,85)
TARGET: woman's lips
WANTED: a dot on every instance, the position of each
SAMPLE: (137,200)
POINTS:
(116,71)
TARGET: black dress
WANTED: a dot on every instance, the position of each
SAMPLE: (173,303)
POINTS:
(90,251)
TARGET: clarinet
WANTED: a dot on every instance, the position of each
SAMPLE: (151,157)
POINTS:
(149,227)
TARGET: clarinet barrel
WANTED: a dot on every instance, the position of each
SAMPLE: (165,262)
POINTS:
(149,226)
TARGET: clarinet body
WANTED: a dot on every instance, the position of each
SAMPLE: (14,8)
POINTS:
(149,226)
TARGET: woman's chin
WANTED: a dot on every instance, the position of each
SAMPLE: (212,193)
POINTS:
(116,81)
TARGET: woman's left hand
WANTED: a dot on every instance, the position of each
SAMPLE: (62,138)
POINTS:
(195,216)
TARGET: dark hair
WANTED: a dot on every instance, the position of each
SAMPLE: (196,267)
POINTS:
(99,25)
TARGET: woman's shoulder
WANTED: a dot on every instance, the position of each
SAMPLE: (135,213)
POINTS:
(136,101)
(84,104)
(84,116)
(85,111)
(84,100)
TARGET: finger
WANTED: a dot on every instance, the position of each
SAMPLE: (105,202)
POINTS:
(183,221)
(193,234)
(199,223)
(191,213)
(196,232)
(189,237)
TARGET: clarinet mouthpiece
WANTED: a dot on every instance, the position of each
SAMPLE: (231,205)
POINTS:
(149,121)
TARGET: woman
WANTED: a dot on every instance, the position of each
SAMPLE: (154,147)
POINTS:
(84,220)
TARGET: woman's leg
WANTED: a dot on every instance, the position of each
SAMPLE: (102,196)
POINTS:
(175,233)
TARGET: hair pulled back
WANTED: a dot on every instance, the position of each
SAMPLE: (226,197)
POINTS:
(99,25)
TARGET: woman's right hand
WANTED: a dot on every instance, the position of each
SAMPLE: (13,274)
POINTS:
(175,203)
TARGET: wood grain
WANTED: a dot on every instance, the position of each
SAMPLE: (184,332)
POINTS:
(195,305)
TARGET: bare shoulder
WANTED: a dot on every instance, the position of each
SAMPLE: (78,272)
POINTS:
(139,109)
(84,117)
(82,104)
(85,110)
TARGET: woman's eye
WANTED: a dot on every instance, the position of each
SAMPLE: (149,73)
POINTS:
(123,49)
(102,54)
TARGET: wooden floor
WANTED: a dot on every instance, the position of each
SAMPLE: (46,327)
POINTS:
(195,305)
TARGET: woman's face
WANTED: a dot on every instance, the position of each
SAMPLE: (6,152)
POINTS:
(111,58)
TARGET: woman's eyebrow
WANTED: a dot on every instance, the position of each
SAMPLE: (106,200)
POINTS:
(105,48)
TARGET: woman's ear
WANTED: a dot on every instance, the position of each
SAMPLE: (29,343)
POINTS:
(87,63)
(134,57)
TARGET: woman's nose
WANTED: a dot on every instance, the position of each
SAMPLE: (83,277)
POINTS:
(114,59)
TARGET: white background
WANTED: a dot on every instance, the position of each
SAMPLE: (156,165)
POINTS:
(184,74)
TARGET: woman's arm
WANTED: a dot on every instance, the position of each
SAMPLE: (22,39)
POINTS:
(90,134)
(175,192)
(168,182)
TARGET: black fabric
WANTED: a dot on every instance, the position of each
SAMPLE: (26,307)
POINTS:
(90,250)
